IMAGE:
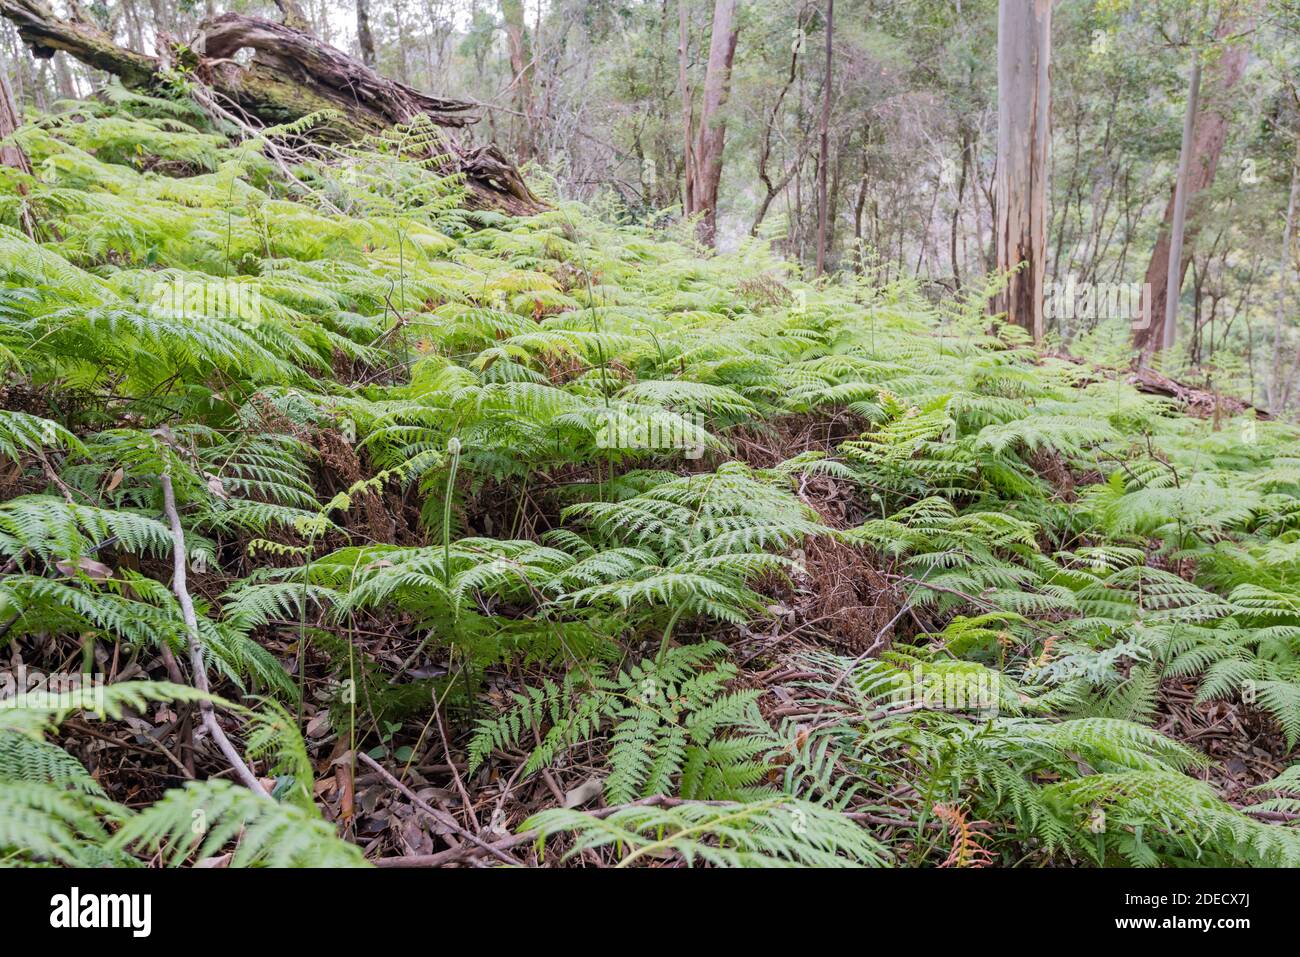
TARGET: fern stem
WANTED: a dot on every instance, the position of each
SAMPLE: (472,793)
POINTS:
(453,447)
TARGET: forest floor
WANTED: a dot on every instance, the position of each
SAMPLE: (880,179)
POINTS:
(548,540)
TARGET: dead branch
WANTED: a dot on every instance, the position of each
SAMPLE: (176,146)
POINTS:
(197,665)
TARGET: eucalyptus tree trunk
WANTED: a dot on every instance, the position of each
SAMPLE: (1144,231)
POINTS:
(1213,112)
(705,173)
(1024,130)
(1276,392)
(521,69)
(688,110)
(1174,280)
(365,38)
(823,212)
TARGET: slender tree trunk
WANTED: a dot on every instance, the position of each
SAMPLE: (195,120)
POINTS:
(10,120)
(1211,131)
(134,31)
(365,38)
(521,70)
(838,159)
(63,77)
(858,208)
(1285,265)
(824,132)
(163,20)
(1174,281)
(399,19)
(1024,54)
(711,134)
(955,224)
(688,109)
(772,190)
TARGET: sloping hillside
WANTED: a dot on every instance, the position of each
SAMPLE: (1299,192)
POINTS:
(551,540)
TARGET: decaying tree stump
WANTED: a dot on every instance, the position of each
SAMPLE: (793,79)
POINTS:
(291,74)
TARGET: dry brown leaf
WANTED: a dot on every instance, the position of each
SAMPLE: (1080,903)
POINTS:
(96,570)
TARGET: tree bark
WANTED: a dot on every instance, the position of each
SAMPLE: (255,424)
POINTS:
(293,15)
(955,223)
(1286,263)
(712,131)
(684,94)
(823,212)
(1177,231)
(521,70)
(1211,131)
(10,154)
(1024,131)
(365,39)
(292,74)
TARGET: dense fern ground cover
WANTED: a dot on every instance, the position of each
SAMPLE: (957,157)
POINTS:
(607,550)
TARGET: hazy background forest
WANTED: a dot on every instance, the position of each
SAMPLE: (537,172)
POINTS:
(590,94)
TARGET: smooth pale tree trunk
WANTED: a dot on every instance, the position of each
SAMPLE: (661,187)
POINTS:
(365,37)
(1276,392)
(1211,132)
(1174,282)
(705,172)
(1024,129)
(684,93)
(521,71)
(823,212)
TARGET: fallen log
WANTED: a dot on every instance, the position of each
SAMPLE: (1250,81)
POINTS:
(291,74)
(1199,402)
(1202,403)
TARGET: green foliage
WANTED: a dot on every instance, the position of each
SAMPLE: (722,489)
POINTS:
(53,810)
(580,459)
(667,719)
(203,817)
(776,832)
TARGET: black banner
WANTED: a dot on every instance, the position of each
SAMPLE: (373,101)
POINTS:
(145,908)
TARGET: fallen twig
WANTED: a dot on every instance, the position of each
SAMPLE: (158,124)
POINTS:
(242,770)
(442,817)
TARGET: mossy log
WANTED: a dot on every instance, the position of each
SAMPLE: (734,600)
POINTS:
(291,74)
